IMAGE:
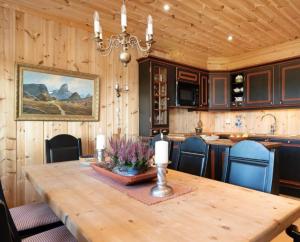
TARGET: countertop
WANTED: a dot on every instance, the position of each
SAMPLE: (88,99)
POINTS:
(223,142)
(250,135)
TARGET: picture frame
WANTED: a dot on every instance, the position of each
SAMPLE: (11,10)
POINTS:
(52,94)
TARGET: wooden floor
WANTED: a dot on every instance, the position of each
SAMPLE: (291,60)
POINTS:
(283,237)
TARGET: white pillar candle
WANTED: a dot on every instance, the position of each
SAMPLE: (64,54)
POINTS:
(100,143)
(123,17)
(161,152)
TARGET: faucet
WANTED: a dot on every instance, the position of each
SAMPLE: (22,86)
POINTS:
(274,125)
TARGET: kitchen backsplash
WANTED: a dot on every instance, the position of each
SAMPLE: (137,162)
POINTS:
(182,121)
(251,121)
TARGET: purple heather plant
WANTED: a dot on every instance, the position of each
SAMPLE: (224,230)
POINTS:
(130,153)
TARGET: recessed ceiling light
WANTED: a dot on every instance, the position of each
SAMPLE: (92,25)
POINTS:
(230,38)
(166,7)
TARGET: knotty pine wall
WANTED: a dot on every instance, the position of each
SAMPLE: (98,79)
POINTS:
(31,39)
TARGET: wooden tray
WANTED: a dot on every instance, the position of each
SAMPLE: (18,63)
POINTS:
(127,180)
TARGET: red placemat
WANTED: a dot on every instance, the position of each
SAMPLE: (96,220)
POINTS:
(141,192)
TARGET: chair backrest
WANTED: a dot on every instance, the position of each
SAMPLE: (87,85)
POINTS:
(250,164)
(63,147)
(193,156)
(8,230)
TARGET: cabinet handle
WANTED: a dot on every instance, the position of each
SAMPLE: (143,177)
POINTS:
(289,142)
(280,102)
(271,102)
(168,99)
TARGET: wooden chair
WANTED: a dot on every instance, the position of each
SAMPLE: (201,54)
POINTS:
(250,164)
(32,218)
(193,156)
(9,233)
(63,147)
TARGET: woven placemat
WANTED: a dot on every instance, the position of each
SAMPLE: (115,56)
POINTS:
(140,192)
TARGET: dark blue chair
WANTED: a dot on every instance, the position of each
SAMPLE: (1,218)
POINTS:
(293,232)
(193,156)
(250,164)
(63,147)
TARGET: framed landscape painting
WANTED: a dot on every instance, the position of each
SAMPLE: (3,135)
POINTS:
(53,94)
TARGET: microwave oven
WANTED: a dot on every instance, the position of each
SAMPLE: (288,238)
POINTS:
(187,94)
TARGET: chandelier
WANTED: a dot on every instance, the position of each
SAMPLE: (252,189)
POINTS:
(124,39)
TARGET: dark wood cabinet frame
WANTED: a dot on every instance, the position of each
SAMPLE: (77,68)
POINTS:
(283,82)
(270,87)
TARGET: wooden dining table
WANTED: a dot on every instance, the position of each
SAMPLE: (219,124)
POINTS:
(213,211)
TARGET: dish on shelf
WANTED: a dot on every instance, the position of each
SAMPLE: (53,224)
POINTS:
(239,79)
(238,99)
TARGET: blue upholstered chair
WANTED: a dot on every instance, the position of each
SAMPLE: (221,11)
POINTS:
(250,164)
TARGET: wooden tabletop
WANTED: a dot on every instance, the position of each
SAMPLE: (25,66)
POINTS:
(215,211)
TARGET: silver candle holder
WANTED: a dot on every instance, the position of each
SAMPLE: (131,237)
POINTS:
(100,155)
(161,189)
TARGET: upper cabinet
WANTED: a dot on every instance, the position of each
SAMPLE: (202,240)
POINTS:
(289,83)
(187,75)
(203,102)
(259,87)
(219,91)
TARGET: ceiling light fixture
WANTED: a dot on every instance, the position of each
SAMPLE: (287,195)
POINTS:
(230,38)
(124,39)
(166,7)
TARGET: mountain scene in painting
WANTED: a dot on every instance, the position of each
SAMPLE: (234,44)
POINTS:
(51,94)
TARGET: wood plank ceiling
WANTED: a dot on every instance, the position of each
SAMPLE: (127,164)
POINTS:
(191,27)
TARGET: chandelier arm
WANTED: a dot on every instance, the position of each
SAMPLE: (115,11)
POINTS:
(114,42)
(133,41)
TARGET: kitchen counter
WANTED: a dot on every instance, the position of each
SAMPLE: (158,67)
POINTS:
(279,136)
(222,142)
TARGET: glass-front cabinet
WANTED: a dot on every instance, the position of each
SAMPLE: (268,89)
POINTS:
(159,96)
(154,80)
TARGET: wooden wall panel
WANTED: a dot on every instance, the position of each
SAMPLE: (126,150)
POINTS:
(32,39)
(7,125)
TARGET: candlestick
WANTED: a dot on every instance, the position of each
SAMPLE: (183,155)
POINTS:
(161,189)
(100,155)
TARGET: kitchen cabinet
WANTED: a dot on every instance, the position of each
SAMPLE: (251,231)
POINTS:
(289,166)
(187,75)
(219,91)
(203,102)
(289,82)
(259,87)
(153,97)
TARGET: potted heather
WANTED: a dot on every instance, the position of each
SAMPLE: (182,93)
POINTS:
(129,157)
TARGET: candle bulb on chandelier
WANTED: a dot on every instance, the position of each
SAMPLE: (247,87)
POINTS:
(123,17)
(147,35)
(150,26)
(97,27)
